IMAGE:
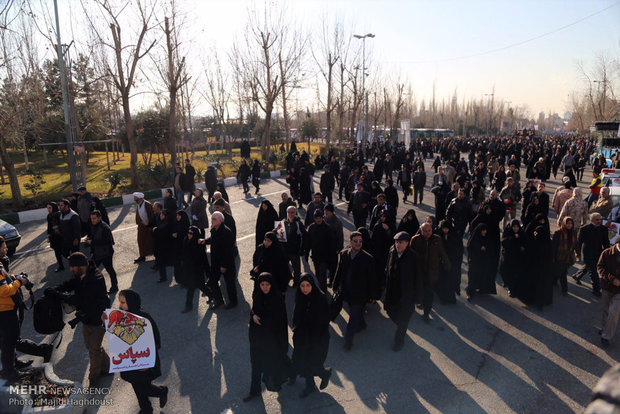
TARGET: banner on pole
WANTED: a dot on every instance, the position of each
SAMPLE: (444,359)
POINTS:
(405,132)
(130,340)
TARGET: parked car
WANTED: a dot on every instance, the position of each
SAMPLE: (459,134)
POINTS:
(11,236)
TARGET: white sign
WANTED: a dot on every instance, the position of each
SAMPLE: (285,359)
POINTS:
(405,127)
(280,231)
(613,231)
(130,340)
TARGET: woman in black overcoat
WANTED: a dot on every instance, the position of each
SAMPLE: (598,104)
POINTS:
(512,261)
(181,226)
(305,189)
(409,223)
(268,338)
(141,380)
(270,257)
(310,334)
(267,215)
(449,282)
(481,274)
(162,248)
(535,286)
(195,265)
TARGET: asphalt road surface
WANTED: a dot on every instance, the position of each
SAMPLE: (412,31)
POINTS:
(494,355)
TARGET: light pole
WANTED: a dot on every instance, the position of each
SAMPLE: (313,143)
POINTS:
(63,81)
(490,95)
(364,97)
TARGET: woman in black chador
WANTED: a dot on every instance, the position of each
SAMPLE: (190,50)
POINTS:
(481,273)
(535,286)
(268,338)
(449,282)
(513,248)
(270,257)
(409,223)
(267,215)
(195,266)
(310,334)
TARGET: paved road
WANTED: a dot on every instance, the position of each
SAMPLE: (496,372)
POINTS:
(494,355)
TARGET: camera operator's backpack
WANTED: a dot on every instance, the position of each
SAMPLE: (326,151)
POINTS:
(47,315)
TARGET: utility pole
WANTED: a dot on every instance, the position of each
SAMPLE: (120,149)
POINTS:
(65,107)
(490,95)
(364,95)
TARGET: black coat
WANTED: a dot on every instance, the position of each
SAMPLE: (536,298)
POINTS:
(328,182)
(283,206)
(170,205)
(320,243)
(391,196)
(305,190)
(310,212)
(482,271)
(150,374)
(535,286)
(222,248)
(460,213)
(180,227)
(272,260)
(448,282)
(403,287)
(53,230)
(101,241)
(410,226)
(89,297)
(211,180)
(355,278)
(593,240)
(164,247)
(512,260)
(295,237)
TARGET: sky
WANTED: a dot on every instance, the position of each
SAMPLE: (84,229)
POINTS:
(439,42)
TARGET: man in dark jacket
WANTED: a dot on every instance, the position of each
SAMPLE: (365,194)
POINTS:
(328,183)
(419,181)
(593,238)
(320,247)
(609,271)
(391,194)
(286,203)
(90,300)
(354,277)
(295,241)
(170,203)
(359,206)
(345,173)
(382,206)
(180,187)
(70,228)
(101,243)
(211,182)
(229,221)
(542,197)
(431,258)
(222,262)
(317,204)
(403,286)
(460,213)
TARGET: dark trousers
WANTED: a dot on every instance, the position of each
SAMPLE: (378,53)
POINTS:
(320,270)
(58,254)
(231,287)
(9,333)
(144,389)
(107,264)
(590,267)
(163,274)
(189,297)
(359,219)
(356,321)
(427,300)
(295,261)
(418,192)
(560,274)
(257,372)
(401,328)
(329,196)
(341,188)
(246,187)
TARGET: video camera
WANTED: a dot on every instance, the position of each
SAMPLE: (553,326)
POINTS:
(26,282)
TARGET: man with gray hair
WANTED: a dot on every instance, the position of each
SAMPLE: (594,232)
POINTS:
(604,204)
(593,239)
(295,244)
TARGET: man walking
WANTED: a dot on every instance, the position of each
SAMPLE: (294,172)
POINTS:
(144,219)
(593,239)
(222,262)
(320,246)
(70,228)
(101,242)
(359,206)
(295,241)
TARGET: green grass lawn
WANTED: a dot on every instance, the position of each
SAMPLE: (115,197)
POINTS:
(57,182)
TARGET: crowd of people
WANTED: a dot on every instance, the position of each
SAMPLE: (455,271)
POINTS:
(477,186)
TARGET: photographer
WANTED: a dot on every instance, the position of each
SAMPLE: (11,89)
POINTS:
(90,300)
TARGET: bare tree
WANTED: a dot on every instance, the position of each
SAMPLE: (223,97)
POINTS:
(126,56)
(217,93)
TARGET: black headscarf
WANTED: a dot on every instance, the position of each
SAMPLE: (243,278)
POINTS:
(476,235)
(410,226)
(134,302)
(366,244)
(54,206)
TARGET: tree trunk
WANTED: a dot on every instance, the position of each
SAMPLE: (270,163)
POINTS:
(131,138)
(328,133)
(16,194)
(267,133)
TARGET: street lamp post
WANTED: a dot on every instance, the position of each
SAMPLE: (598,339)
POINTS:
(364,97)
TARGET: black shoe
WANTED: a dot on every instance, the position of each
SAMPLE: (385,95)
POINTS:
(230,306)
(348,345)
(164,398)
(605,342)
(307,391)
(19,364)
(398,345)
(325,379)
(113,288)
(597,293)
(140,259)
(186,310)
(59,269)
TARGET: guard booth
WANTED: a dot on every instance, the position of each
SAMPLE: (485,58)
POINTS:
(607,135)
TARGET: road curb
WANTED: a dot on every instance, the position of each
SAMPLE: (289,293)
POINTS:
(126,199)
